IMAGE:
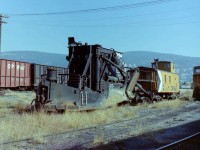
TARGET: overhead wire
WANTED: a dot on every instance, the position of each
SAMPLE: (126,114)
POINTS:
(102,9)
(121,24)
(109,18)
(112,8)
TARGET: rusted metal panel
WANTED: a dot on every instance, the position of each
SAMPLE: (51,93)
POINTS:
(196,80)
(196,76)
(61,75)
(14,74)
(196,83)
(148,78)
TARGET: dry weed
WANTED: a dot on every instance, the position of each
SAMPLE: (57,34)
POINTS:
(14,127)
(12,99)
(39,139)
(99,140)
(99,137)
(186,94)
(115,96)
(166,104)
(139,129)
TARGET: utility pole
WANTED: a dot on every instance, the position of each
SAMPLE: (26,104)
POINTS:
(1,22)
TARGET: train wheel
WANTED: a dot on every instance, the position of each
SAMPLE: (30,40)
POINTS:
(31,109)
(22,88)
(157,98)
(38,106)
(169,97)
(60,111)
(135,101)
(145,100)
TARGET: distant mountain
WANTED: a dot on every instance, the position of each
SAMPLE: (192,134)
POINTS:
(36,57)
(184,64)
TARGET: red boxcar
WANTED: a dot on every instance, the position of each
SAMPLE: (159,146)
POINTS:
(14,74)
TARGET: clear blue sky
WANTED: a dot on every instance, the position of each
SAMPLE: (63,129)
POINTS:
(171,27)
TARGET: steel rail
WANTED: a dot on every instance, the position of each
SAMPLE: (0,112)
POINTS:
(181,141)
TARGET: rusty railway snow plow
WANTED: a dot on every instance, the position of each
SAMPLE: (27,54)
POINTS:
(93,72)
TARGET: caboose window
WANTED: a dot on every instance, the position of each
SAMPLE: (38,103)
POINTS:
(165,78)
(197,71)
(166,65)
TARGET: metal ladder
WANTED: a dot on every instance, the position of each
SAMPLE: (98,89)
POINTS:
(83,96)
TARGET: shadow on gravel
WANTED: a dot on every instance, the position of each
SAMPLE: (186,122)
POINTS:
(156,139)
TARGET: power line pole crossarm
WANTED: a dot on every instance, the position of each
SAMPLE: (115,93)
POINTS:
(1,22)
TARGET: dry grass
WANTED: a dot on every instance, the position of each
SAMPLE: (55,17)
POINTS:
(115,96)
(14,100)
(99,140)
(139,129)
(172,104)
(15,127)
(11,99)
(186,94)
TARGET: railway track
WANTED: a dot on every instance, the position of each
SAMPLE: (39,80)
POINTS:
(93,136)
(190,142)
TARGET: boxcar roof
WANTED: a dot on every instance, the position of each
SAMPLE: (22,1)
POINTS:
(15,60)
